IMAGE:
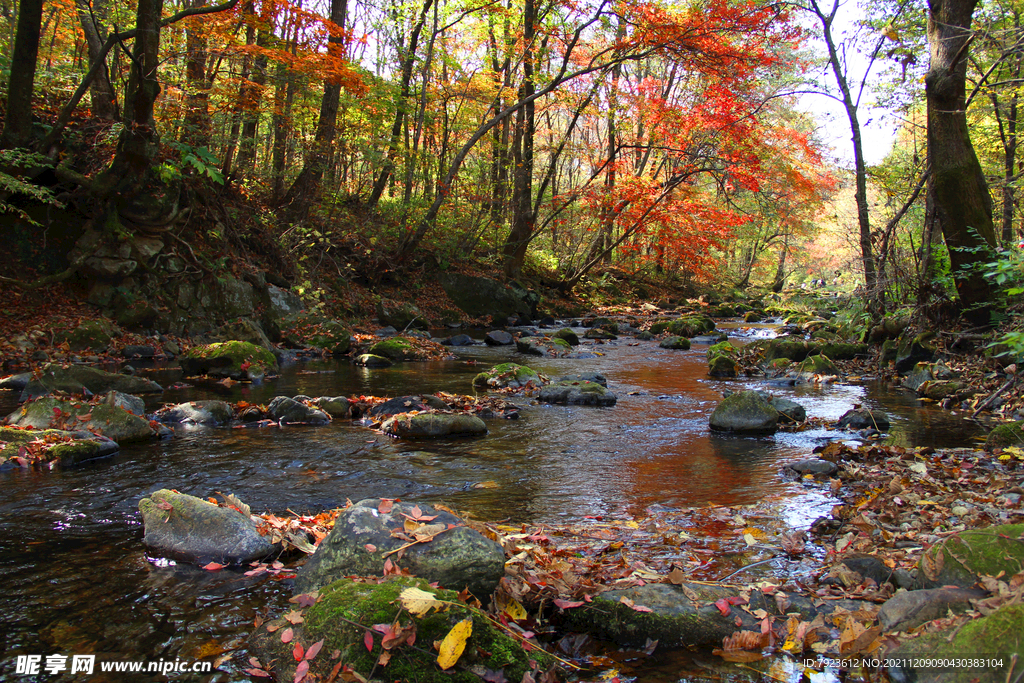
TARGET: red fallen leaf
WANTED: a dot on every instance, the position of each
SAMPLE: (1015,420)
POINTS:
(214,566)
(259,673)
(368,641)
(385,505)
(163,504)
(301,670)
(297,652)
(370,548)
(723,606)
(314,650)
(567,604)
(287,635)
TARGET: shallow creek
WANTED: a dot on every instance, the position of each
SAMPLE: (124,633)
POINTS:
(77,580)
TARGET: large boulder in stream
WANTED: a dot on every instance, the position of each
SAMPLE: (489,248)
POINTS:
(863,418)
(240,360)
(210,412)
(577,393)
(285,410)
(440,548)
(346,611)
(482,296)
(84,379)
(507,376)
(61,446)
(433,425)
(191,529)
(111,421)
(745,412)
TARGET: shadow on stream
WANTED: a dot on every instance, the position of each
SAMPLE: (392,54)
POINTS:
(76,578)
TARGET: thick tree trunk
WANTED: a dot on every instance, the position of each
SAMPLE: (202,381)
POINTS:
(101,93)
(18,121)
(197,96)
(961,203)
(137,145)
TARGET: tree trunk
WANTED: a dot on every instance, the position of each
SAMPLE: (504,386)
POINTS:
(523,217)
(961,203)
(400,108)
(197,96)
(860,167)
(18,121)
(307,184)
(137,145)
(101,93)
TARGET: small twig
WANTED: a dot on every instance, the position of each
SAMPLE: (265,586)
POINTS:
(994,396)
(741,569)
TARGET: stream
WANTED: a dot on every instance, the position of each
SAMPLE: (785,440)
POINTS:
(77,580)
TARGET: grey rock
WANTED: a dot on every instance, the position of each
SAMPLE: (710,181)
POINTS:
(577,393)
(864,419)
(289,411)
(813,466)
(499,338)
(433,425)
(191,529)
(909,609)
(745,412)
(196,412)
(789,411)
(456,558)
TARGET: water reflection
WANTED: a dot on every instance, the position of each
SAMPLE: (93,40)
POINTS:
(77,579)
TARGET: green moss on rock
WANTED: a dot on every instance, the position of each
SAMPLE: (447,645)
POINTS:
(346,609)
(394,348)
(235,359)
(674,342)
(506,375)
(1006,435)
(691,326)
(959,560)
(568,335)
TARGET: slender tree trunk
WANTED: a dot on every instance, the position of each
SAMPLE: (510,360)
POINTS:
(307,184)
(400,108)
(850,104)
(961,203)
(252,98)
(101,93)
(18,121)
(523,216)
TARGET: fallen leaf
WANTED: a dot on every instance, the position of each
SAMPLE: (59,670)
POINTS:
(287,635)
(454,643)
(213,566)
(418,601)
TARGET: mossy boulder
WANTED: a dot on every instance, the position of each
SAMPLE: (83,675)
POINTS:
(722,366)
(111,421)
(818,364)
(961,559)
(1006,435)
(721,348)
(332,337)
(69,447)
(843,351)
(507,375)
(568,335)
(191,529)
(995,636)
(76,379)
(338,407)
(243,329)
(787,347)
(236,359)
(659,326)
(455,557)
(91,335)
(645,335)
(600,333)
(674,342)
(394,349)
(543,346)
(691,326)
(433,425)
(745,412)
(346,610)
(577,393)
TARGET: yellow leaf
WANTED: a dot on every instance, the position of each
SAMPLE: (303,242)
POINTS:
(514,609)
(454,643)
(418,602)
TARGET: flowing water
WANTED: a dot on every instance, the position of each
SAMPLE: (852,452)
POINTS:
(76,579)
